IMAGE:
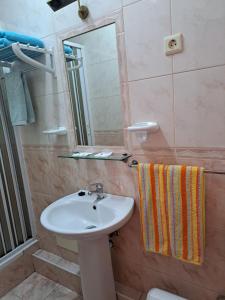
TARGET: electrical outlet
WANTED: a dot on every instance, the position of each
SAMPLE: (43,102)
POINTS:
(173,44)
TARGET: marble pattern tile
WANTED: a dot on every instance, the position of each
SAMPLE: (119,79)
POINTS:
(145,55)
(127,293)
(15,273)
(144,278)
(143,296)
(215,208)
(152,100)
(60,293)
(40,202)
(204,153)
(37,287)
(199,108)
(63,175)
(48,243)
(57,274)
(32,135)
(10,296)
(57,261)
(209,164)
(203,24)
(68,255)
(31,249)
(37,163)
(123,297)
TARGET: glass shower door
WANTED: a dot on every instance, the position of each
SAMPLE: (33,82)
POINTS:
(15,225)
(80,103)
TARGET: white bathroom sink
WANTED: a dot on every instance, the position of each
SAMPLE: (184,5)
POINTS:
(77,217)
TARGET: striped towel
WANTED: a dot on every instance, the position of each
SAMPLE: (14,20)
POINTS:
(172,210)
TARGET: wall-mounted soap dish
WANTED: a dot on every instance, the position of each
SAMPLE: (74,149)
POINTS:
(57,131)
(143,129)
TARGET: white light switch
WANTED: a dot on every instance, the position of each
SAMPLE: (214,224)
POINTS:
(173,44)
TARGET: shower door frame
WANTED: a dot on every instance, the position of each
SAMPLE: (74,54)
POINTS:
(4,115)
(85,93)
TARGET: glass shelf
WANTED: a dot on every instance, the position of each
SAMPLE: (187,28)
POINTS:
(114,157)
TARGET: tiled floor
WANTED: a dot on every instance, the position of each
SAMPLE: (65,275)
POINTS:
(38,287)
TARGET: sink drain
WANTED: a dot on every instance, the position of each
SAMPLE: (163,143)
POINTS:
(90,227)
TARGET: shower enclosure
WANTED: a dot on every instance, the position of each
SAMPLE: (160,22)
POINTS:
(79,96)
(16,229)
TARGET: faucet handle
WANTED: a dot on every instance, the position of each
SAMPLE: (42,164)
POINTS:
(98,187)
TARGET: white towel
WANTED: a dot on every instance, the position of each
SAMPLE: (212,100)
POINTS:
(19,100)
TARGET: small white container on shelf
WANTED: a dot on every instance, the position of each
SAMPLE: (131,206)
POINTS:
(143,129)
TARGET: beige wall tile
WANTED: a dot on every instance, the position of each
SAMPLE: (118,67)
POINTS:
(202,23)
(146,24)
(199,108)
(152,100)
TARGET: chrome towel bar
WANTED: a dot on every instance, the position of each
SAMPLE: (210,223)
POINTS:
(134,164)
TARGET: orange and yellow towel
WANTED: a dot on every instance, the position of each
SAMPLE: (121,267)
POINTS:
(172,210)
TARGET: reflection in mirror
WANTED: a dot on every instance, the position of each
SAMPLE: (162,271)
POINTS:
(93,74)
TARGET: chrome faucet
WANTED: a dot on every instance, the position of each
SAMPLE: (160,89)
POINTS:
(99,191)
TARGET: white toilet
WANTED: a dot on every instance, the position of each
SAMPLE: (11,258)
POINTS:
(157,294)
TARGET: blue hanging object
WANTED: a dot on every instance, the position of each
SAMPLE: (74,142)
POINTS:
(68,50)
(14,37)
(7,38)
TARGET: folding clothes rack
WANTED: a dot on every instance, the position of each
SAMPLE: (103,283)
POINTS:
(26,54)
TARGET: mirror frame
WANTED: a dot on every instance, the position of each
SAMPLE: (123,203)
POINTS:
(117,19)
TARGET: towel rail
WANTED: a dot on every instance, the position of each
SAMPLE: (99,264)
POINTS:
(134,164)
(16,52)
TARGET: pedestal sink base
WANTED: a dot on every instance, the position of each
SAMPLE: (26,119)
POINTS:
(74,216)
(96,269)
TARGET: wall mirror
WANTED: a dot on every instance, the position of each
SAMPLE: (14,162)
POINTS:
(94,82)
